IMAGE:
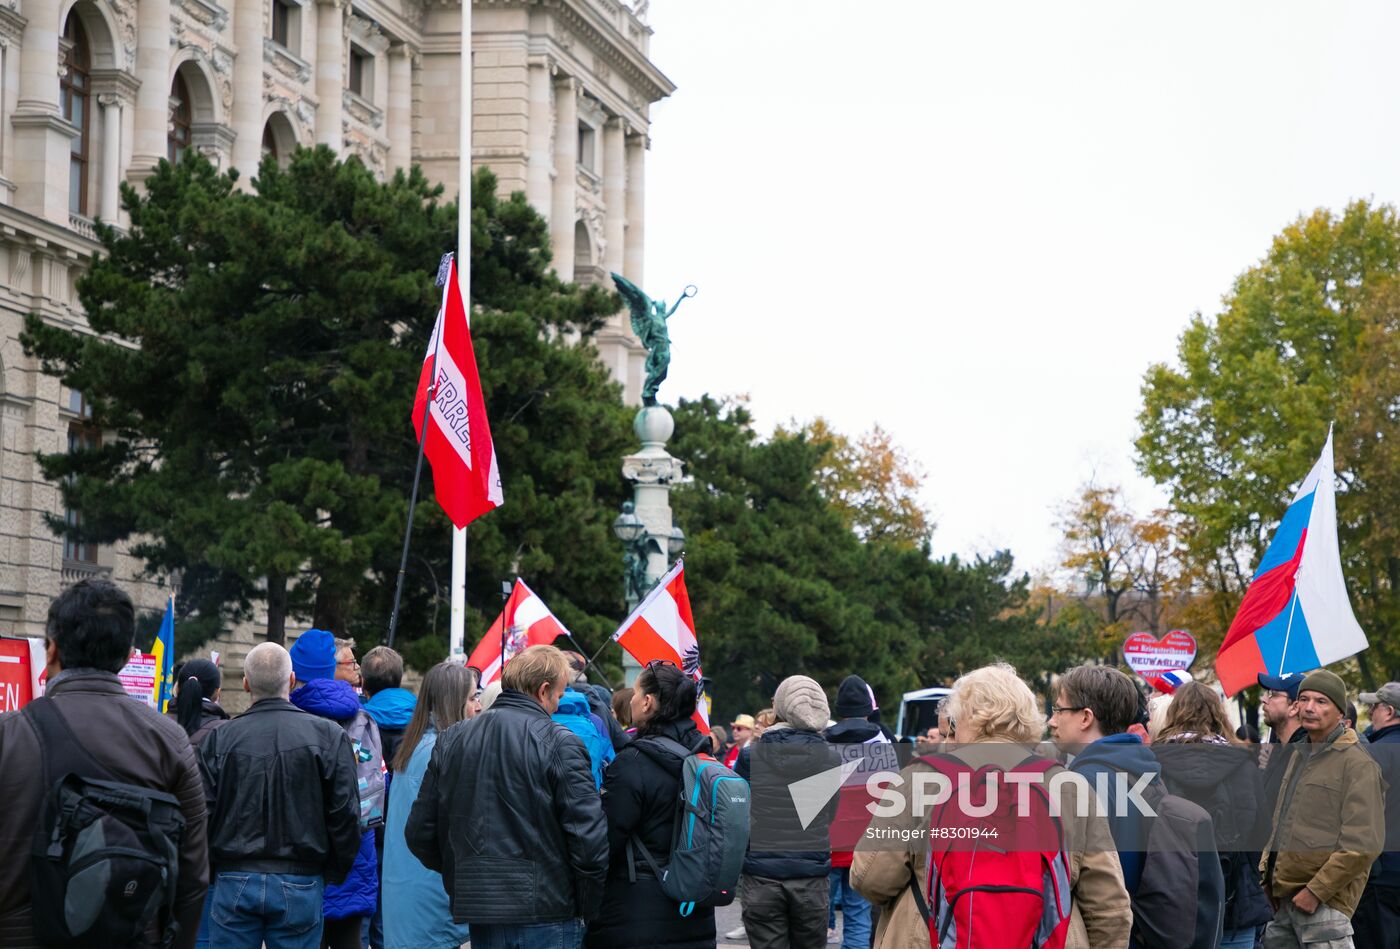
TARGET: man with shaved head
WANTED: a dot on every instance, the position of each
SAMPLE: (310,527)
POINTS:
(269,865)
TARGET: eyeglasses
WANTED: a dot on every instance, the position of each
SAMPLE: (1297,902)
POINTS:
(349,662)
(1275,694)
(658,663)
(1057,709)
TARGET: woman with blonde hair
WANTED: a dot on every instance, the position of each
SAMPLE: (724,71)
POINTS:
(1205,763)
(998,724)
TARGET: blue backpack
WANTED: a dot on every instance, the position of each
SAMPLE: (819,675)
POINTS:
(575,715)
(710,835)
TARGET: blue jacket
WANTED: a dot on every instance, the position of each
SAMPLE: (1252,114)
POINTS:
(417,912)
(359,894)
(575,715)
(1110,755)
(1386,870)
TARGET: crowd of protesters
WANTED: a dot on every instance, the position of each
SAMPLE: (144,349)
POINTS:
(342,809)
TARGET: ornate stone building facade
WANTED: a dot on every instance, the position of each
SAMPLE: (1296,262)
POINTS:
(95,92)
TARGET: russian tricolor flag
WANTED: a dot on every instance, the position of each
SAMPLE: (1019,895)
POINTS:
(1295,617)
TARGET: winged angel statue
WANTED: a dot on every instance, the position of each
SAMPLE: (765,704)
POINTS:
(649,323)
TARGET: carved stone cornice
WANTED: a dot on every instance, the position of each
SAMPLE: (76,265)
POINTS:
(285,61)
(117,83)
(206,12)
(361,109)
(608,43)
(367,35)
(11,24)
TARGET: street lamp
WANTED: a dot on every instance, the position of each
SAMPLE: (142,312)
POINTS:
(628,526)
(675,544)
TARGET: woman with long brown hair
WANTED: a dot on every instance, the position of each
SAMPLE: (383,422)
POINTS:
(1204,762)
(416,909)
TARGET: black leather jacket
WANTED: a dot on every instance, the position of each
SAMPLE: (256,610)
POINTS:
(509,815)
(283,793)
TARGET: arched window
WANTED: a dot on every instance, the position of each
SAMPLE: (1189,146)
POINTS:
(75,89)
(279,139)
(181,118)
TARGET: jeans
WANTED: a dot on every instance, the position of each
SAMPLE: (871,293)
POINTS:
(1239,938)
(276,910)
(201,939)
(565,935)
(855,913)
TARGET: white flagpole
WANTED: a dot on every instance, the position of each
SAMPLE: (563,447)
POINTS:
(457,625)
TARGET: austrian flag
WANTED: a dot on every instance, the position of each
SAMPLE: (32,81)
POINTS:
(456,436)
(662,627)
(526,622)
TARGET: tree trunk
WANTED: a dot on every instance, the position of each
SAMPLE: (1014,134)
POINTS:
(332,609)
(277,608)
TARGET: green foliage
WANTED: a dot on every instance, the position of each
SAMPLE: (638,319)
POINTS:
(256,362)
(782,584)
(1236,424)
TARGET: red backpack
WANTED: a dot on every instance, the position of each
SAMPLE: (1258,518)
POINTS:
(998,880)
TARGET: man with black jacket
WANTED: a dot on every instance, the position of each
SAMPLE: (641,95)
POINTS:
(509,815)
(88,639)
(1377,919)
(271,864)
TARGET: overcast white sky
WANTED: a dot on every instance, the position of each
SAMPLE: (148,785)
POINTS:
(978,223)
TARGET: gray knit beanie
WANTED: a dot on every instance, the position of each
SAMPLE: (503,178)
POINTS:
(801,703)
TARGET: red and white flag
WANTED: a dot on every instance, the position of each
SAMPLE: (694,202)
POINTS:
(458,436)
(662,627)
(526,621)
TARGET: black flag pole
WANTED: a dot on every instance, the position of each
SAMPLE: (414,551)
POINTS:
(444,268)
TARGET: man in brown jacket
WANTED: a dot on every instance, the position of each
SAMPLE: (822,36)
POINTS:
(1328,826)
(88,640)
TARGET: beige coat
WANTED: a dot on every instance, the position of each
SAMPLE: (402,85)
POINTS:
(1103,916)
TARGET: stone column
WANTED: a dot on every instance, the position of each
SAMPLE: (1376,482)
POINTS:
(652,473)
(38,59)
(330,73)
(153,97)
(247,88)
(636,208)
(111,155)
(539,161)
(615,194)
(40,150)
(565,204)
(400,107)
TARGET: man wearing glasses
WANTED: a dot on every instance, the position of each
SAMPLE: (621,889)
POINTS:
(1279,709)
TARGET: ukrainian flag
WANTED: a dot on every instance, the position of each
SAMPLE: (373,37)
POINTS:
(164,652)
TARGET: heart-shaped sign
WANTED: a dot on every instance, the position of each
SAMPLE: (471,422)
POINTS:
(1149,656)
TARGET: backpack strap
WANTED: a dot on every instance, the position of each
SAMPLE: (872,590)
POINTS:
(61,750)
(673,746)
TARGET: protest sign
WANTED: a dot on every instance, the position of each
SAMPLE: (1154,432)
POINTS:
(139,677)
(1149,656)
(21,669)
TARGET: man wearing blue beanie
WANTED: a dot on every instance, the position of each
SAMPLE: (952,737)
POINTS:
(313,656)
(319,692)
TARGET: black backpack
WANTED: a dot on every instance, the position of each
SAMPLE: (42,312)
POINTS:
(105,862)
(1180,900)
